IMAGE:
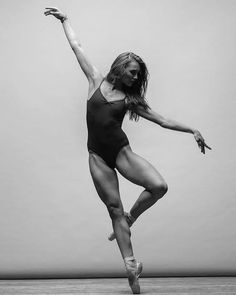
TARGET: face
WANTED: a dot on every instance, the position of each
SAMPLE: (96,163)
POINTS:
(131,73)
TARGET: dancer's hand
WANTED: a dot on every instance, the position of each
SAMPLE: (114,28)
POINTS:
(200,141)
(55,12)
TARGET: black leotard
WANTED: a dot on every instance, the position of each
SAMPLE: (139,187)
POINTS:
(104,120)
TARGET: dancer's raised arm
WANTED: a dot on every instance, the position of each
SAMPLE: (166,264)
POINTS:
(89,70)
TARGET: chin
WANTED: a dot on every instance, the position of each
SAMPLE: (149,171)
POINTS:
(130,84)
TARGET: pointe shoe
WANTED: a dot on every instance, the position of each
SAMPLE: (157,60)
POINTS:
(133,273)
(130,220)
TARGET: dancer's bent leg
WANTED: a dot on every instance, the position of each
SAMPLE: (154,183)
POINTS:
(141,172)
(146,200)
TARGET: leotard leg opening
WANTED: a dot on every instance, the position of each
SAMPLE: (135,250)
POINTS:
(109,155)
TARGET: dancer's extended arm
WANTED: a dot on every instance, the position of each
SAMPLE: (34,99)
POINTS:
(89,70)
(151,115)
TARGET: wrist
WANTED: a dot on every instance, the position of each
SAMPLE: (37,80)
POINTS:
(193,131)
(63,18)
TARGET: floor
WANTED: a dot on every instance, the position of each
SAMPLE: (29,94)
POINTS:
(167,286)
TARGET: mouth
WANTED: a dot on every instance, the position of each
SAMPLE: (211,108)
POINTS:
(130,83)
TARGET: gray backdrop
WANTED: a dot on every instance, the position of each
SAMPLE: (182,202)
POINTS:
(52,222)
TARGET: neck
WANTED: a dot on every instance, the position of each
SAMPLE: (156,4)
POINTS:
(118,85)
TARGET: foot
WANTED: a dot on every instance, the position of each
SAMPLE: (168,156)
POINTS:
(134,270)
(130,220)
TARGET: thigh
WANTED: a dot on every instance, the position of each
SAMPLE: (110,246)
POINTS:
(105,180)
(138,170)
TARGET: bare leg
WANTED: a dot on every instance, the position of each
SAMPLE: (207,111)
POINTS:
(144,201)
(122,232)
(106,183)
(130,220)
(141,172)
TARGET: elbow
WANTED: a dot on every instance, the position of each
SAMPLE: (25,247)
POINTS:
(164,123)
(75,45)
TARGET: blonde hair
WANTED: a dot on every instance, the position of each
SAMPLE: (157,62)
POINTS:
(135,93)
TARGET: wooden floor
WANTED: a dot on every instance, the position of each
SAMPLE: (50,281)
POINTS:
(184,285)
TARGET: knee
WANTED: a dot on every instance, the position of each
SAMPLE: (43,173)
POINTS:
(159,190)
(115,210)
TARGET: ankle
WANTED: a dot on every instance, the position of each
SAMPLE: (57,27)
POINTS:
(130,261)
(129,258)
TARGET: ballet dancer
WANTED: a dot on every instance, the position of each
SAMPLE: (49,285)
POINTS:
(110,97)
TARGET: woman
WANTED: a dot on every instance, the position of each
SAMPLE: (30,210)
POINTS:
(110,97)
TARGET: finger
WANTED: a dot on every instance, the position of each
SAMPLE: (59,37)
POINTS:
(49,10)
(49,13)
(52,13)
(52,8)
(207,146)
(202,149)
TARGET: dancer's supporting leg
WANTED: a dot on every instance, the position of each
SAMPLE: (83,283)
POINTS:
(130,220)
(107,186)
(106,183)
